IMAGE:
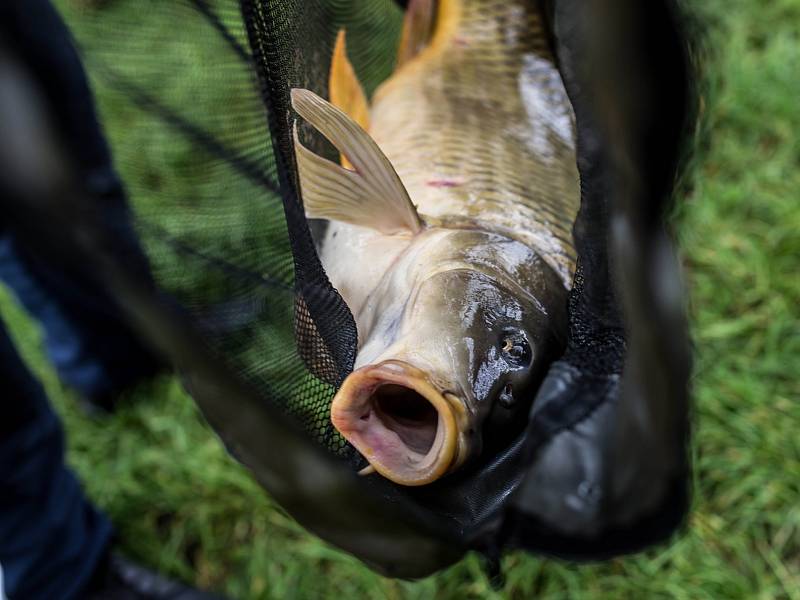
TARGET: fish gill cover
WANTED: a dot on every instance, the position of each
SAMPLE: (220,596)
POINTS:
(601,467)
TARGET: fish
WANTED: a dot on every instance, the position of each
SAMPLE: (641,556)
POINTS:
(450,216)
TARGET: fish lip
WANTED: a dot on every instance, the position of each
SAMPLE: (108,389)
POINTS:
(408,468)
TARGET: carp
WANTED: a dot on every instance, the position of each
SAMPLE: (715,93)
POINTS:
(450,232)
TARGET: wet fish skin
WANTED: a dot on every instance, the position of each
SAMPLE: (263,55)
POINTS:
(449,305)
(479,125)
(468,311)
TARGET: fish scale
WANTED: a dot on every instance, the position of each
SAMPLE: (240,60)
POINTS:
(478,127)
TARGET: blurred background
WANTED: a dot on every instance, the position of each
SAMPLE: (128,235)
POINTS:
(181,504)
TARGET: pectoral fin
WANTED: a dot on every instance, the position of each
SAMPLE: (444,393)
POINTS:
(370,195)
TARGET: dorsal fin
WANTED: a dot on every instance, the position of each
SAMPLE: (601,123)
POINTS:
(419,24)
(370,195)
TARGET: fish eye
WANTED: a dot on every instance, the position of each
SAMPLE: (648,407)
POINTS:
(515,348)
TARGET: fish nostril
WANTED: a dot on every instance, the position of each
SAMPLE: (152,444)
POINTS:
(506,398)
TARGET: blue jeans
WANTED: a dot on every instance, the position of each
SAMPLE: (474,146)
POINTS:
(85,337)
(90,347)
(51,537)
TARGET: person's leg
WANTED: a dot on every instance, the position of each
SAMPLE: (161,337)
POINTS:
(53,543)
(85,335)
(86,338)
(51,537)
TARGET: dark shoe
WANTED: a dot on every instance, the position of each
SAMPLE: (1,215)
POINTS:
(120,579)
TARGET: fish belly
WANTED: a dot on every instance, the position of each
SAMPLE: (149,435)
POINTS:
(480,130)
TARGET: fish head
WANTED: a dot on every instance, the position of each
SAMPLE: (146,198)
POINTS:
(456,339)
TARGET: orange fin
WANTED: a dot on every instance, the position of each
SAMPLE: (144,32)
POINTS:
(345,91)
(418,28)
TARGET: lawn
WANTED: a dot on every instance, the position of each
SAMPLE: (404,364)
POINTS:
(182,505)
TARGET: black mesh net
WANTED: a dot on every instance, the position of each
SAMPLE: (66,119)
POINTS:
(243,306)
(215,229)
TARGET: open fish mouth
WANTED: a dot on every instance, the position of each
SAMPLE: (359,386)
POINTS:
(401,423)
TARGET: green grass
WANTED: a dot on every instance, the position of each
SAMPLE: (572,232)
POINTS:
(182,505)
